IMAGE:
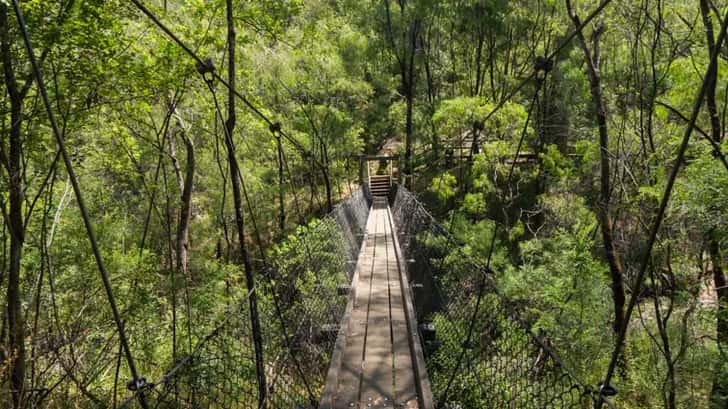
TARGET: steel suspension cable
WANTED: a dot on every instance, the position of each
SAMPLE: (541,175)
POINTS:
(717,152)
(137,382)
(235,179)
(297,144)
(513,167)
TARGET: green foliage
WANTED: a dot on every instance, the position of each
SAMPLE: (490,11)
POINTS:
(555,163)
(330,73)
(444,187)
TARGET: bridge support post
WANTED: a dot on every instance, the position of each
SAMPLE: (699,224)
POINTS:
(361,170)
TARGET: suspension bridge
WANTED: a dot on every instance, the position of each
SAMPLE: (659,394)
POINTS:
(374,306)
(395,316)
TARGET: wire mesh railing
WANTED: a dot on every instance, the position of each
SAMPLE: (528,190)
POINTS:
(478,350)
(302,295)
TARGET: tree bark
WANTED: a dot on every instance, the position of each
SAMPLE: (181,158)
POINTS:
(712,75)
(327,179)
(603,207)
(409,131)
(406,63)
(243,255)
(281,203)
(186,183)
(480,40)
(719,391)
(16,325)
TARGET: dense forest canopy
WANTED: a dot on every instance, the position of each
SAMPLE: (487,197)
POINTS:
(609,111)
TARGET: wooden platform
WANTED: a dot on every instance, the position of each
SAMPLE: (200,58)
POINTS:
(378,360)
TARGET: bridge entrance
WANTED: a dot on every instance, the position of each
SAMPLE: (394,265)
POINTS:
(379,173)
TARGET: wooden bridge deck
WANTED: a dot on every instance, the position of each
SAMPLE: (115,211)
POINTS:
(378,361)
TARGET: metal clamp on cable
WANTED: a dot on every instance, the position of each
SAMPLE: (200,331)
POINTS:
(206,68)
(607,390)
(137,384)
(487,276)
(275,127)
(542,66)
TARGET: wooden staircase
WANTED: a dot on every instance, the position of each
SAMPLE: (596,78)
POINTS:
(380,185)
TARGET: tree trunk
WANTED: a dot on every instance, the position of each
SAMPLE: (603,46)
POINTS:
(719,392)
(281,204)
(16,325)
(603,208)
(479,62)
(712,75)
(244,255)
(408,84)
(408,139)
(186,184)
(406,63)
(327,179)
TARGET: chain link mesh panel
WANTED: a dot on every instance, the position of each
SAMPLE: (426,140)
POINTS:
(479,352)
(302,296)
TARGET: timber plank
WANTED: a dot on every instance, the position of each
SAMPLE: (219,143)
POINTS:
(405,390)
(378,376)
(349,378)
